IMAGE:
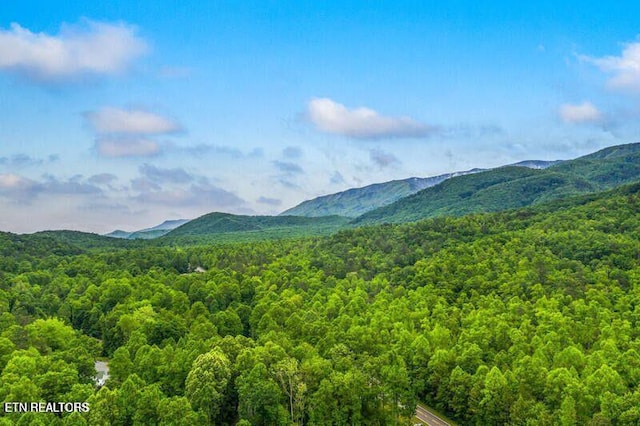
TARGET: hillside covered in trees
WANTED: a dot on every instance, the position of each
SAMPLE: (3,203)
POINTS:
(512,187)
(527,316)
(357,201)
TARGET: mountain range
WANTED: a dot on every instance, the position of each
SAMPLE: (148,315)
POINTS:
(355,202)
(512,187)
(518,185)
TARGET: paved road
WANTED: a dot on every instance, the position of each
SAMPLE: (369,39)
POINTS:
(426,416)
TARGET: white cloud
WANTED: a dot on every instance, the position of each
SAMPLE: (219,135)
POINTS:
(122,121)
(126,147)
(12,182)
(129,132)
(361,123)
(625,68)
(91,48)
(585,112)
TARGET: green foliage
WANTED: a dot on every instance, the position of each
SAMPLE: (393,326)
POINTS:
(206,385)
(260,398)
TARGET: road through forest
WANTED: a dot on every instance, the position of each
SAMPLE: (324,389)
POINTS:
(426,416)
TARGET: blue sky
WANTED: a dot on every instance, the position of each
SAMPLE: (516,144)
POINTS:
(120,115)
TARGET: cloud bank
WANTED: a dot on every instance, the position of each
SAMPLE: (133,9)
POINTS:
(361,123)
(123,147)
(202,194)
(585,112)
(130,121)
(90,48)
(22,189)
(178,188)
(625,68)
(129,132)
(12,184)
(17,161)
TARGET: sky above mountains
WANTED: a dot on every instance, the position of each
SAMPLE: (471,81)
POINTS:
(123,114)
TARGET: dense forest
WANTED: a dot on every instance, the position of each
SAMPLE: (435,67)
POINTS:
(524,317)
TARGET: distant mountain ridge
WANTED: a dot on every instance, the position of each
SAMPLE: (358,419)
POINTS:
(148,233)
(492,190)
(511,187)
(536,164)
(521,184)
(355,202)
(119,233)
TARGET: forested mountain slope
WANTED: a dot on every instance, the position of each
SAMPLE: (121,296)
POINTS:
(522,317)
(226,227)
(357,201)
(511,187)
(606,168)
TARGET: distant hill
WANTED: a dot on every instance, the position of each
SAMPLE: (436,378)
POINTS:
(118,233)
(158,230)
(148,233)
(511,187)
(229,227)
(357,201)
